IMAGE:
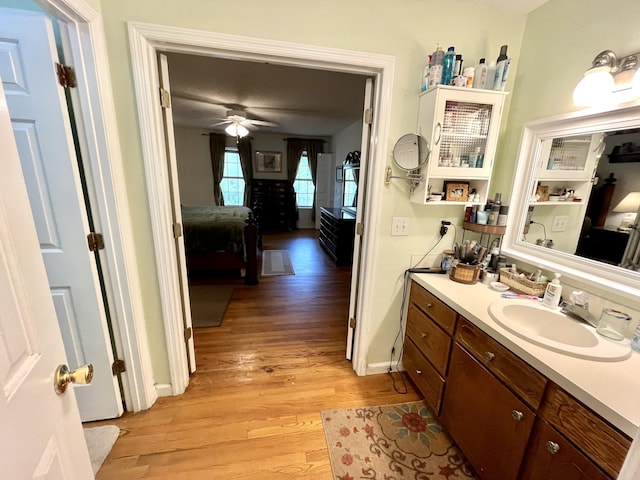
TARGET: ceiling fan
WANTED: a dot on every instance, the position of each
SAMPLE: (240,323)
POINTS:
(239,124)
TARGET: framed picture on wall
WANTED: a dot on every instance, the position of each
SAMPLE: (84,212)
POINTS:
(269,162)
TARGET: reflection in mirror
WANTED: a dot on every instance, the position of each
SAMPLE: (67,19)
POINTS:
(577,189)
(578,212)
(410,153)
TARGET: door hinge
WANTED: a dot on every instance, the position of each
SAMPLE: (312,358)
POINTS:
(118,367)
(95,241)
(359,228)
(352,322)
(66,76)
(187,334)
(165,98)
(177,230)
(368,116)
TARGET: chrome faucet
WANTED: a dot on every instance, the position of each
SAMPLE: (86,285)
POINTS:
(578,308)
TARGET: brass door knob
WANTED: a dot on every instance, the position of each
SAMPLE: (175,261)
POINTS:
(64,377)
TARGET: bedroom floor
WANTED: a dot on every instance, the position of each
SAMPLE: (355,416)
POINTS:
(252,409)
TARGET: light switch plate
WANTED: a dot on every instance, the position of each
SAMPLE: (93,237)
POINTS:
(399,226)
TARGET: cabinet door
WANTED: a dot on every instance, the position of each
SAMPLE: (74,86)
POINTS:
(488,422)
(551,457)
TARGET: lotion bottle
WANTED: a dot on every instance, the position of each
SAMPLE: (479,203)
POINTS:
(552,293)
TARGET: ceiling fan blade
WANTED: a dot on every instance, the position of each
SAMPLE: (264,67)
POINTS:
(223,122)
(262,123)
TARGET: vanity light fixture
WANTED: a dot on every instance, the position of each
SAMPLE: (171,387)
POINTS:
(236,130)
(607,77)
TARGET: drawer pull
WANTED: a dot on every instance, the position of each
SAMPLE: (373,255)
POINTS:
(419,372)
(488,356)
(553,447)
(517,415)
(423,334)
(429,305)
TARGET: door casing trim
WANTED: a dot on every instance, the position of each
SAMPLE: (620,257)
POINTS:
(146,40)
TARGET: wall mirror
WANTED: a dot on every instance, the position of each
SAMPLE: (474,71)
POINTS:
(410,153)
(577,196)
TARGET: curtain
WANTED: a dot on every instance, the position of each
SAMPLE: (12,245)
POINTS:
(314,147)
(244,151)
(217,145)
(295,147)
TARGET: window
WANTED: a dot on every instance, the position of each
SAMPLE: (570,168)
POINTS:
(232,184)
(303,185)
(350,186)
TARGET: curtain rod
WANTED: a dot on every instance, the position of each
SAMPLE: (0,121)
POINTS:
(298,138)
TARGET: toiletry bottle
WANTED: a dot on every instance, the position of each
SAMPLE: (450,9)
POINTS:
(448,64)
(505,72)
(501,63)
(435,72)
(503,54)
(457,68)
(469,73)
(425,76)
(480,75)
(491,75)
(552,293)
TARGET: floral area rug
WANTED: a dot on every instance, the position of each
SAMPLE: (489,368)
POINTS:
(392,442)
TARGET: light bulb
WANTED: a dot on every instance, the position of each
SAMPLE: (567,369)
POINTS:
(236,130)
(596,87)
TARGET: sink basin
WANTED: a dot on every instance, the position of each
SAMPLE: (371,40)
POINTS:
(555,331)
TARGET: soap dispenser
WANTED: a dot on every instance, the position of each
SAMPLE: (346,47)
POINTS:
(552,293)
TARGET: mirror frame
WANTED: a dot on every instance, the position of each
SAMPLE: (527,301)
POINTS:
(602,276)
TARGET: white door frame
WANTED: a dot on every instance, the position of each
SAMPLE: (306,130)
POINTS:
(84,40)
(146,40)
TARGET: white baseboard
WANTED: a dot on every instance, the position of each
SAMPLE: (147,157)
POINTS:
(163,389)
(382,367)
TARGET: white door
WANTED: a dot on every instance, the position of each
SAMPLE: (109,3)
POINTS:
(357,244)
(172,167)
(42,132)
(41,434)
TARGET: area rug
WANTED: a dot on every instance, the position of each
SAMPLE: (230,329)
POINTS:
(209,304)
(276,262)
(100,441)
(391,442)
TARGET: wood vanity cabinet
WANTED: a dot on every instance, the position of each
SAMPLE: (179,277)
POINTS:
(430,325)
(508,419)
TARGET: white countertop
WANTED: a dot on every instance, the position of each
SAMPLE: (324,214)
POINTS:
(611,389)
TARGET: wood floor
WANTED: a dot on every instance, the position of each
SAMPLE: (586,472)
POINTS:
(252,409)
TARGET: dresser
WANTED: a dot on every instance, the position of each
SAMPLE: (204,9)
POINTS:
(274,204)
(337,229)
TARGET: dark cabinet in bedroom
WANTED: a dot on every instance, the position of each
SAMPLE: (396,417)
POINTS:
(274,204)
(337,230)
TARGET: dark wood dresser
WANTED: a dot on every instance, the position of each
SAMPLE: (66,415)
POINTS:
(337,229)
(274,204)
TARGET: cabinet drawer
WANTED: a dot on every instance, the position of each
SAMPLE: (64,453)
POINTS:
(432,341)
(552,457)
(605,445)
(524,380)
(433,307)
(425,377)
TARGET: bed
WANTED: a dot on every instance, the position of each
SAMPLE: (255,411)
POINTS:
(221,238)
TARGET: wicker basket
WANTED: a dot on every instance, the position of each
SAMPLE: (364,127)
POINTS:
(522,284)
(464,273)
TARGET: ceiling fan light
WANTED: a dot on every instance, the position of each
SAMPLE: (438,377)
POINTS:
(595,87)
(236,130)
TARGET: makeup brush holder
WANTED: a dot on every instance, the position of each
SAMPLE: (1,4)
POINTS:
(463,273)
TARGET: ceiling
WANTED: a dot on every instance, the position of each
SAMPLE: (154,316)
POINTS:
(302,101)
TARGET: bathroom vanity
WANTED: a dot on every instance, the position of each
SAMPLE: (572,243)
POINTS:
(516,409)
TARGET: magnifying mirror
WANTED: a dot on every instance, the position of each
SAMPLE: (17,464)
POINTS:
(410,153)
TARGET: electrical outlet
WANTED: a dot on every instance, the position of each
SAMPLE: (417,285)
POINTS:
(400,226)
(559,223)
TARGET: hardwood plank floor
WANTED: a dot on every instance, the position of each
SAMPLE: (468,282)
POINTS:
(252,409)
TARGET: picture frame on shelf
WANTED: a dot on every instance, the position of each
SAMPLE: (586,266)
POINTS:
(542,191)
(456,191)
(268,162)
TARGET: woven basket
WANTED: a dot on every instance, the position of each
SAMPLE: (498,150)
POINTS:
(522,284)
(464,273)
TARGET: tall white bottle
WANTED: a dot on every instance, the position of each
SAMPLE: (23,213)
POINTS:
(480,75)
(435,72)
